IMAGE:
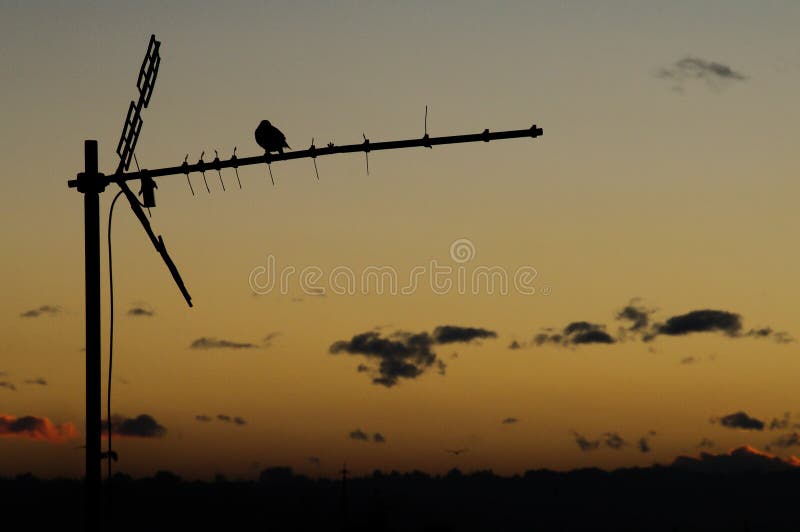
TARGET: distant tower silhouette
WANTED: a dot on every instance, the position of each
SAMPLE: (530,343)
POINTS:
(344,505)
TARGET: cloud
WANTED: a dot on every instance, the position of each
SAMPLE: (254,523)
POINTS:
(782,423)
(448,334)
(740,460)
(715,74)
(404,355)
(36,428)
(401,355)
(378,438)
(740,420)
(639,324)
(515,345)
(232,419)
(141,311)
(637,315)
(267,340)
(644,445)
(688,360)
(708,320)
(8,385)
(39,381)
(614,441)
(787,440)
(141,426)
(706,443)
(314,460)
(359,434)
(701,321)
(779,337)
(202,418)
(575,333)
(214,343)
(585,444)
(510,421)
(44,310)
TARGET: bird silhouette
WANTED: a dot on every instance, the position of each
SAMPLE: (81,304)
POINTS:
(456,452)
(270,138)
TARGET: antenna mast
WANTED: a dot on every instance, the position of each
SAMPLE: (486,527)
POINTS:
(91,183)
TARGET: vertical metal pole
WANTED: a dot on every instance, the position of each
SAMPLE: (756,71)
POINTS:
(91,209)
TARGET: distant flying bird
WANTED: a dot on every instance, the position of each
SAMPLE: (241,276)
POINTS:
(270,137)
(456,452)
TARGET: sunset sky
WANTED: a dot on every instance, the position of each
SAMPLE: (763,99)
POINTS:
(665,182)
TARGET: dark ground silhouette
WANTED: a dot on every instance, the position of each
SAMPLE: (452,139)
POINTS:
(651,499)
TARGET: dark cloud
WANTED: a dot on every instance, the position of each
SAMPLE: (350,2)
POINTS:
(740,420)
(715,74)
(314,460)
(360,435)
(706,443)
(401,355)
(701,321)
(585,444)
(227,419)
(644,445)
(141,426)
(39,381)
(708,320)
(44,310)
(36,428)
(637,315)
(744,459)
(404,355)
(614,441)
(214,343)
(203,418)
(575,333)
(787,440)
(781,423)
(640,325)
(141,311)
(515,345)
(688,360)
(779,337)
(448,334)
(378,438)
(510,421)
(267,340)
(8,385)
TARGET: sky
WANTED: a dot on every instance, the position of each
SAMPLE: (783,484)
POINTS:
(664,185)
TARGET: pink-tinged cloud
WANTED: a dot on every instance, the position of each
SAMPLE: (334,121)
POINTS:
(36,428)
(741,459)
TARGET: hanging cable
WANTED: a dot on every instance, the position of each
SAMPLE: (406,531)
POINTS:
(110,455)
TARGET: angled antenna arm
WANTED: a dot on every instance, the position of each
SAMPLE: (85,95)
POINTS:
(157,241)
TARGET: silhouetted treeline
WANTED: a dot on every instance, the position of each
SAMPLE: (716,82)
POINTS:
(653,499)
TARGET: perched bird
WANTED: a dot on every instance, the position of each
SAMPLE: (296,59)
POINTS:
(270,138)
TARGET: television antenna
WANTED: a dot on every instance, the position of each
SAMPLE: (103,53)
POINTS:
(91,183)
